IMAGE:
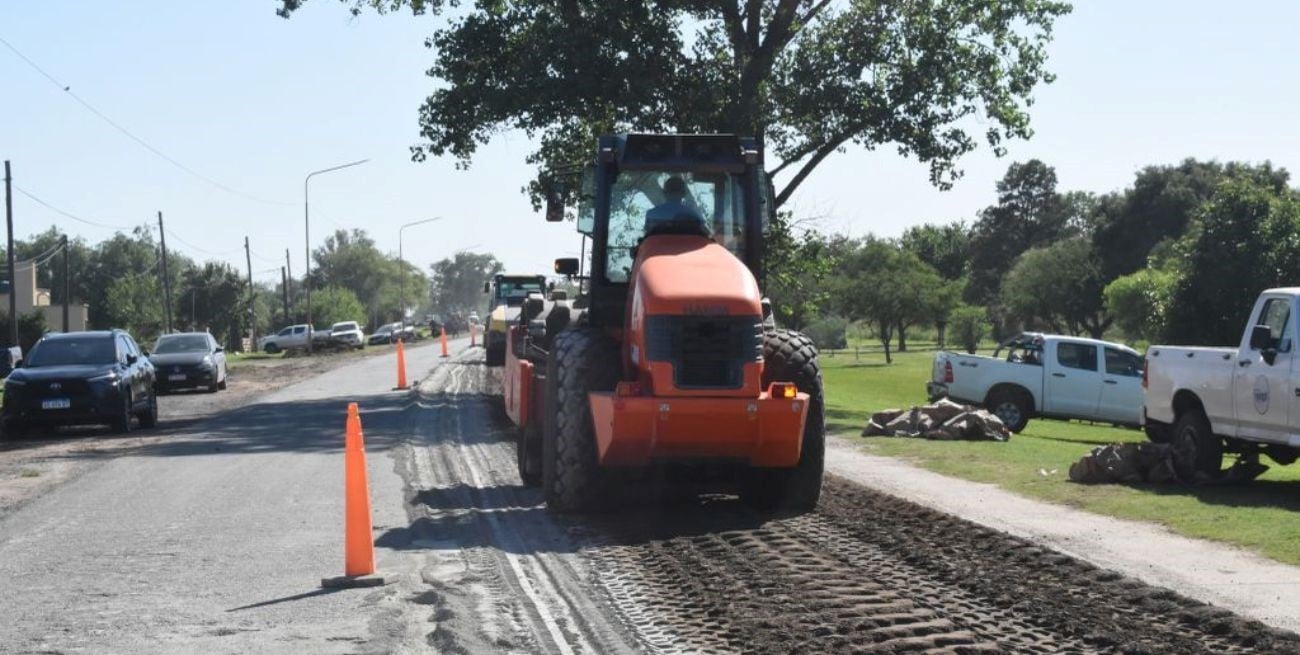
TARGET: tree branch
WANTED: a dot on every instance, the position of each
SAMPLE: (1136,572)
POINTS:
(814,11)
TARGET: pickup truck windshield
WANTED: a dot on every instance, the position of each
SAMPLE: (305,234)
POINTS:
(344,327)
(71,351)
(181,343)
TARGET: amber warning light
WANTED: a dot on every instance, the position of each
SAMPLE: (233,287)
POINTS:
(782,390)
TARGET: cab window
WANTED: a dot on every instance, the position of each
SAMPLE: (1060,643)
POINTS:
(645,201)
(1081,356)
(1276,314)
(1127,364)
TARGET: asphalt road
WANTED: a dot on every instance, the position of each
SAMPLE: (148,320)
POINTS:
(214,538)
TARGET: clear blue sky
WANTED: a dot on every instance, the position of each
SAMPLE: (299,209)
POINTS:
(255,102)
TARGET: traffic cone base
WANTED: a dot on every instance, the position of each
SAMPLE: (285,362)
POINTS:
(354,582)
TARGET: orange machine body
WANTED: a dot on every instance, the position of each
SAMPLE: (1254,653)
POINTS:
(522,391)
(651,418)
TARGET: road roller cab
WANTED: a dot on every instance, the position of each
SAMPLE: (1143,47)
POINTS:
(667,357)
(506,295)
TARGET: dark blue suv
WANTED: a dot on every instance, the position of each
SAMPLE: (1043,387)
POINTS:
(81,378)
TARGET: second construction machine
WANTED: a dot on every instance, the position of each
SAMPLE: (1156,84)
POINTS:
(667,368)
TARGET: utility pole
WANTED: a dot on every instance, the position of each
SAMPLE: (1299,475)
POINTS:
(167,281)
(288,294)
(252,310)
(67,285)
(13,286)
(284,286)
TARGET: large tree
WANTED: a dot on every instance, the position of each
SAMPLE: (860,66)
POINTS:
(214,297)
(1244,240)
(945,247)
(457,287)
(809,77)
(890,288)
(1159,205)
(1059,285)
(350,260)
(797,266)
(1029,213)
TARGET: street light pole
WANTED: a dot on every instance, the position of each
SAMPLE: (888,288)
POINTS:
(401,264)
(306,214)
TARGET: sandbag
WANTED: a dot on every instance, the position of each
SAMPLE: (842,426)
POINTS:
(943,420)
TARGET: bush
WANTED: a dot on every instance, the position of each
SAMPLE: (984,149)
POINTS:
(828,333)
(968,325)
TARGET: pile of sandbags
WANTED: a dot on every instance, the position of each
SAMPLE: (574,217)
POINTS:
(1126,463)
(943,421)
(1133,463)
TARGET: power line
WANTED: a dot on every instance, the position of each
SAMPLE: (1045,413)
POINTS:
(74,217)
(145,144)
(174,235)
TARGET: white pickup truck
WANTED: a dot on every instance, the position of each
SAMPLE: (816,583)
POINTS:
(1046,376)
(1245,400)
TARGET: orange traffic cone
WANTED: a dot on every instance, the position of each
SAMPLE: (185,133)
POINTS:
(401,368)
(359,547)
(443,339)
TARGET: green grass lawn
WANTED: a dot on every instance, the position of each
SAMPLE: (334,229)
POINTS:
(1260,516)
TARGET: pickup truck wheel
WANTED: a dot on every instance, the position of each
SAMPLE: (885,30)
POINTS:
(1157,433)
(1011,408)
(1197,450)
(271,348)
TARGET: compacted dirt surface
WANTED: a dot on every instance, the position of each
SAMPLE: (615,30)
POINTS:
(865,573)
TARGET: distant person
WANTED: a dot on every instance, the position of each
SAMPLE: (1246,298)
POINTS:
(673,208)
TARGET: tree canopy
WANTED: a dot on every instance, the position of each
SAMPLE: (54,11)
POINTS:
(809,77)
(458,282)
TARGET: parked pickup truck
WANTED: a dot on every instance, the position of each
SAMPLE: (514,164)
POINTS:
(1245,400)
(292,337)
(1044,375)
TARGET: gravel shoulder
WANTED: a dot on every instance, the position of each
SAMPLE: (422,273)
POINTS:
(1228,577)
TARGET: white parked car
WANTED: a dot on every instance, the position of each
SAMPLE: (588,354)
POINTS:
(1243,399)
(1048,376)
(348,332)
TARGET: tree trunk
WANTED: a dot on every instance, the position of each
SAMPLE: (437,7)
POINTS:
(941,331)
(902,338)
(886,336)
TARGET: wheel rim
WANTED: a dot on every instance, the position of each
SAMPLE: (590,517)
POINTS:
(1009,412)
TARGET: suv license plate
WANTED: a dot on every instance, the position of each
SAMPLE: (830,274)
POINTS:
(56,403)
(178,377)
